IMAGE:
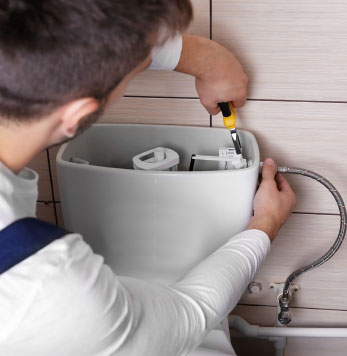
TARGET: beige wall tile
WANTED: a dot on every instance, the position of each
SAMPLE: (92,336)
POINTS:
(267,316)
(302,240)
(306,135)
(40,165)
(200,25)
(168,83)
(158,111)
(46,212)
(162,83)
(290,49)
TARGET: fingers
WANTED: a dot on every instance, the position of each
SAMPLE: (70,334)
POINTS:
(269,170)
(282,183)
(284,187)
(239,103)
(210,102)
(240,100)
(213,109)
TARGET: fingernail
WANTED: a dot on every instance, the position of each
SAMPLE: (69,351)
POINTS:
(269,162)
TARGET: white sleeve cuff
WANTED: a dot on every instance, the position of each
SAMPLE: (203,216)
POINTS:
(262,237)
(167,56)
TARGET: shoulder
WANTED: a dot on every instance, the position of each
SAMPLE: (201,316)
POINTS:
(64,289)
(60,256)
(31,282)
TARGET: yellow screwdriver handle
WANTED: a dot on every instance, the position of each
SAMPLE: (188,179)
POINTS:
(229,115)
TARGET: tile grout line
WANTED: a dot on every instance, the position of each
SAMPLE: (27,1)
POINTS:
(211,20)
(249,99)
(210,8)
(52,188)
(295,212)
(299,101)
(161,97)
(292,307)
(308,213)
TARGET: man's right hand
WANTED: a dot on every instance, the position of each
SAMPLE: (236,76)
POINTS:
(273,203)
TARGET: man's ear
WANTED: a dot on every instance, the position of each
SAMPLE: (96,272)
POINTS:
(74,112)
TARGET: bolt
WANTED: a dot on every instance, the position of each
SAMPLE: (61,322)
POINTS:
(254,287)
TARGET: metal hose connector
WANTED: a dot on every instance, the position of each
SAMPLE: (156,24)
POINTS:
(283,316)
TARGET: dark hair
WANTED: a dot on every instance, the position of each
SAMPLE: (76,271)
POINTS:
(54,51)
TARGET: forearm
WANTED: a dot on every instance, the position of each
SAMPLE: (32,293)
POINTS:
(219,281)
(195,55)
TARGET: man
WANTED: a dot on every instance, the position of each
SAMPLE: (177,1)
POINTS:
(62,62)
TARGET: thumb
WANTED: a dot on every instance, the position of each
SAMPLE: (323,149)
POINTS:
(269,169)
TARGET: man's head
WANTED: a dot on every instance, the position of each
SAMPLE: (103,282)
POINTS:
(71,55)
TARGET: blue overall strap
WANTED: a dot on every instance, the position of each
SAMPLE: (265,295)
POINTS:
(24,238)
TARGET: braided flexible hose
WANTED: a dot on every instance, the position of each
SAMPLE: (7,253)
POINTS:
(283,316)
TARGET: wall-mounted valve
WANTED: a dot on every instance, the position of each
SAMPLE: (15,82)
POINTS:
(284,317)
(284,314)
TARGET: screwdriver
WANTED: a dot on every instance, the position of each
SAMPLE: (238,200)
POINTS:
(229,117)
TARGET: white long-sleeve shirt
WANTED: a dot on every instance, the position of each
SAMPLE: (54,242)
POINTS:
(166,56)
(64,301)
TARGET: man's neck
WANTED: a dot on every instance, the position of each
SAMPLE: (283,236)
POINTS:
(19,144)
